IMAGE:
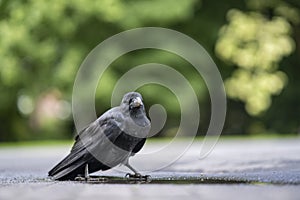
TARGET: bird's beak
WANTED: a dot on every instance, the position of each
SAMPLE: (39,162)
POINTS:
(137,102)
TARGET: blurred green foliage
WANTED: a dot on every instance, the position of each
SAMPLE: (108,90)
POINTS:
(42,44)
(256,45)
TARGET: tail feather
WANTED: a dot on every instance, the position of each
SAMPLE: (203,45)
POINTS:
(72,164)
(70,172)
(66,170)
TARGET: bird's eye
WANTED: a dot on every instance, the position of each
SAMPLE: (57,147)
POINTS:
(130,101)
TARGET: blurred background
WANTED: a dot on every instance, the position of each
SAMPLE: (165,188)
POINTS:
(254,43)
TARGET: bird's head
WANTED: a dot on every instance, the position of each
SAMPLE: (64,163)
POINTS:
(132,106)
(133,101)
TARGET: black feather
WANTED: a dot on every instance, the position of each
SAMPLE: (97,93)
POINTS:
(105,140)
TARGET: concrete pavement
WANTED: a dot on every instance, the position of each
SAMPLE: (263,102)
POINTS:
(272,167)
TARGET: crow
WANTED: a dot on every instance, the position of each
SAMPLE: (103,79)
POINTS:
(108,141)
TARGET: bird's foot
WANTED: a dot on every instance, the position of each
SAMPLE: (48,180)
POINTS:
(92,179)
(138,178)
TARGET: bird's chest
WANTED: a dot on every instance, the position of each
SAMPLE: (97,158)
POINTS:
(137,130)
(126,142)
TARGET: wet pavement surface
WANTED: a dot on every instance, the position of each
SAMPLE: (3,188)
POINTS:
(248,169)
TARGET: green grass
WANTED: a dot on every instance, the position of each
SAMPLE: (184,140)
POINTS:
(151,140)
(36,143)
(261,136)
(232,137)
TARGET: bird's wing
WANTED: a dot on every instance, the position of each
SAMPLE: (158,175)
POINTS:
(88,139)
(92,135)
(139,146)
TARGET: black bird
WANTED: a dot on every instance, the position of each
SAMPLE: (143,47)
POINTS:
(108,141)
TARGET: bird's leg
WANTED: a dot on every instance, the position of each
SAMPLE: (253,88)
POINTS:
(136,173)
(86,172)
(90,179)
(136,176)
(86,175)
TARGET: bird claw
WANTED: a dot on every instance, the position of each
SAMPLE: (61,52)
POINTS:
(129,178)
(138,178)
(95,179)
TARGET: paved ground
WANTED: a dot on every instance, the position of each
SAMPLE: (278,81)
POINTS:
(272,168)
